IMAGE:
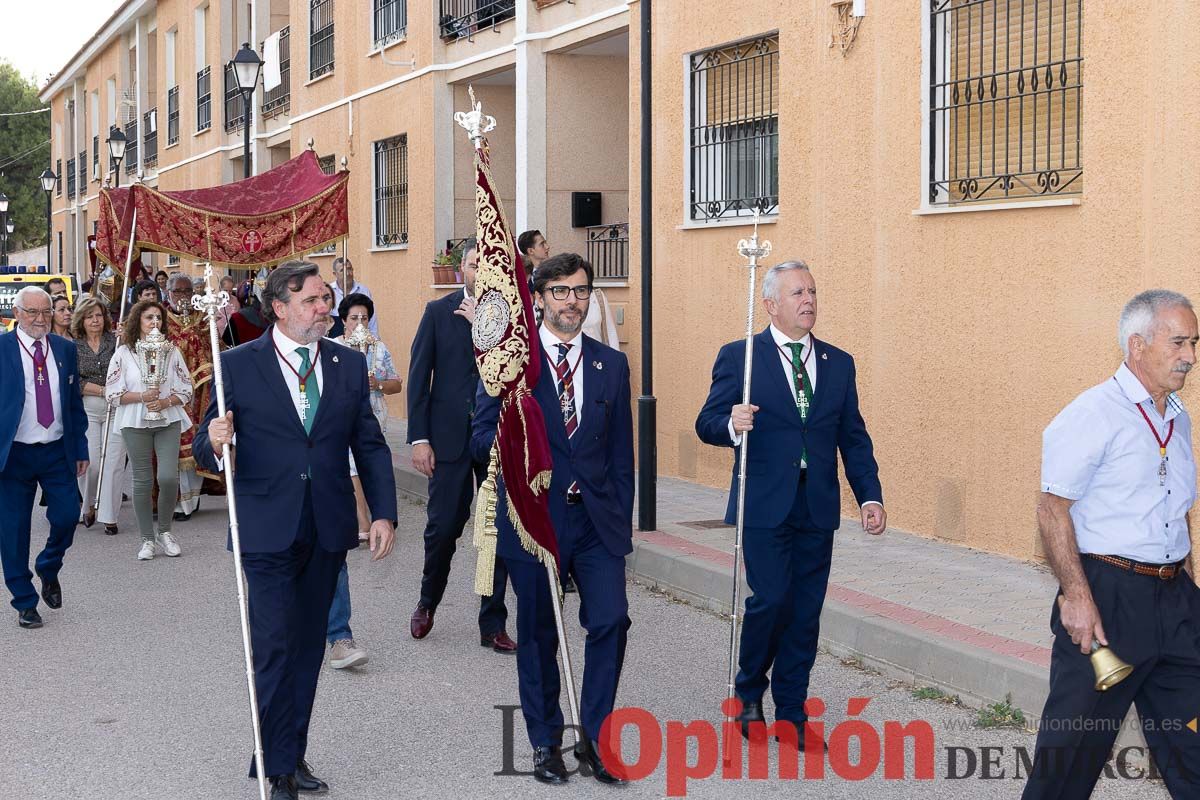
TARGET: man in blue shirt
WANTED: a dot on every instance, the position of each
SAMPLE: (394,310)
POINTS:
(1118,480)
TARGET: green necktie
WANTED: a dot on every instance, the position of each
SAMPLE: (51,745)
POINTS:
(310,393)
(804,393)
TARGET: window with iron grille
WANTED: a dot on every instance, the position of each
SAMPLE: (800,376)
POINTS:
(58,178)
(391,21)
(150,140)
(279,100)
(172,115)
(458,19)
(733,135)
(70,178)
(320,38)
(328,165)
(96,158)
(1006,83)
(131,147)
(203,99)
(391,191)
(82,165)
(235,114)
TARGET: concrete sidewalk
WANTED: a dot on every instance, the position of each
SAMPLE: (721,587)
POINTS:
(933,613)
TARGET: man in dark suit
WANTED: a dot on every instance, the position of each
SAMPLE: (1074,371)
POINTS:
(584,394)
(803,411)
(43,440)
(295,500)
(442,377)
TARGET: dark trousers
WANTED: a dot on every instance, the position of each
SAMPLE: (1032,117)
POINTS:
(451,490)
(289,596)
(28,466)
(788,570)
(603,613)
(1155,626)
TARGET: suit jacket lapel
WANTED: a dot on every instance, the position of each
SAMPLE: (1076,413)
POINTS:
(767,355)
(821,387)
(546,392)
(593,380)
(268,365)
(331,378)
(12,352)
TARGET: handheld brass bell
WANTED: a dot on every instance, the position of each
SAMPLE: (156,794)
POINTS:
(1108,666)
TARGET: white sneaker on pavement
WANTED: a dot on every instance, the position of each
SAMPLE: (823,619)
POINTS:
(148,550)
(345,654)
(168,544)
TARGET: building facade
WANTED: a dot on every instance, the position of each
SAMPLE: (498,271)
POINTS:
(926,160)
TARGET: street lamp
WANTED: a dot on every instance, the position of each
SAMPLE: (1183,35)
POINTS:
(8,232)
(6,229)
(116,150)
(48,178)
(246,67)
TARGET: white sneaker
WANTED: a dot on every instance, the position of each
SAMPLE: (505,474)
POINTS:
(345,654)
(168,544)
(148,550)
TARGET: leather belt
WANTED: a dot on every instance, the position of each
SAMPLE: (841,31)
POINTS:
(574,498)
(1163,572)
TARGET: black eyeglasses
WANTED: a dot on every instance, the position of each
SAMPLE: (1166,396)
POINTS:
(563,292)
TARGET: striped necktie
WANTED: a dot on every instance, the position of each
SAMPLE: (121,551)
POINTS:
(566,398)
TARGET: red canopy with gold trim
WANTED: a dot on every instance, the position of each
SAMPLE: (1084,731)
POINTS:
(283,213)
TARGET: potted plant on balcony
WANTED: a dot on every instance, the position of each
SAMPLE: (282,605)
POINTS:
(443,266)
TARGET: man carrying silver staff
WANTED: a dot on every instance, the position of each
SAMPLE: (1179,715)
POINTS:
(293,492)
(803,411)
(1118,481)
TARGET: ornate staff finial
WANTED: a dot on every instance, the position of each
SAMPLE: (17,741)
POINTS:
(751,248)
(475,122)
(210,302)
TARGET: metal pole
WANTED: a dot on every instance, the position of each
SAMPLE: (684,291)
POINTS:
(50,236)
(4,225)
(564,652)
(246,97)
(647,404)
(210,303)
(752,250)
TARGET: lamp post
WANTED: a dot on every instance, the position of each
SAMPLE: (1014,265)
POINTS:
(4,228)
(246,67)
(48,178)
(116,150)
(8,232)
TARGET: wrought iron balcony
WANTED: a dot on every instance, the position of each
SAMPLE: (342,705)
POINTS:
(279,100)
(320,38)
(459,19)
(82,165)
(608,251)
(150,142)
(172,115)
(131,147)
(203,99)
(391,21)
(70,178)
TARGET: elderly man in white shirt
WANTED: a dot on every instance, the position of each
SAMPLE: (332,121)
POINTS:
(344,284)
(1118,480)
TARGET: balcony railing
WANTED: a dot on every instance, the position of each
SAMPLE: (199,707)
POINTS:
(235,112)
(96,158)
(70,178)
(82,165)
(131,147)
(391,21)
(204,99)
(150,142)
(279,100)
(172,115)
(608,251)
(459,19)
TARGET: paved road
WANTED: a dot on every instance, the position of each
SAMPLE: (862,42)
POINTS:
(135,689)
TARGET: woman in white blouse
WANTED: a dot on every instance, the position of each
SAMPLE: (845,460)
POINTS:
(149,438)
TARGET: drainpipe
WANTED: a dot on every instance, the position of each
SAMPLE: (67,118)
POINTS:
(647,428)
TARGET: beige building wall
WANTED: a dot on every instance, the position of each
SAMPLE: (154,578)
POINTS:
(970,330)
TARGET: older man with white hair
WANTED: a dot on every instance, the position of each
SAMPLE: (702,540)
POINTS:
(1118,480)
(43,441)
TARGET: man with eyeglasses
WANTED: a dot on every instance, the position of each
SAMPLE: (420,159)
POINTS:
(188,330)
(43,441)
(584,394)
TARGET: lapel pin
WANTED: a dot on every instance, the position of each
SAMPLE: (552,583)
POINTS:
(824,356)
(335,360)
(70,379)
(598,365)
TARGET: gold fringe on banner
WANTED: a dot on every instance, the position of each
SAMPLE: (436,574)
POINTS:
(485,528)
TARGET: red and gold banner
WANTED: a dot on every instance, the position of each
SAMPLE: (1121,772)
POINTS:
(508,352)
(281,214)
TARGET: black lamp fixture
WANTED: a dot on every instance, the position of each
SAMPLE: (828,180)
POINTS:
(247,66)
(116,150)
(48,179)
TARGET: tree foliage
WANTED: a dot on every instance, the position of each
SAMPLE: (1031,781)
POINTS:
(24,153)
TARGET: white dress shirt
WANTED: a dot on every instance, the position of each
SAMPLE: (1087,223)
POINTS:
(550,344)
(1100,452)
(785,359)
(29,430)
(288,347)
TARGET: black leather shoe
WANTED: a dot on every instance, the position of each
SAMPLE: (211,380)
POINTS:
(588,754)
(29,618)
(548,766)
(179,516)
(307,782)
(283,787)
(51,592)
(751,712)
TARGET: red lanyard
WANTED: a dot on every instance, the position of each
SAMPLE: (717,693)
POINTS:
(40,367)
(302,378)
(803,361)
(570,372)
(1162,443)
